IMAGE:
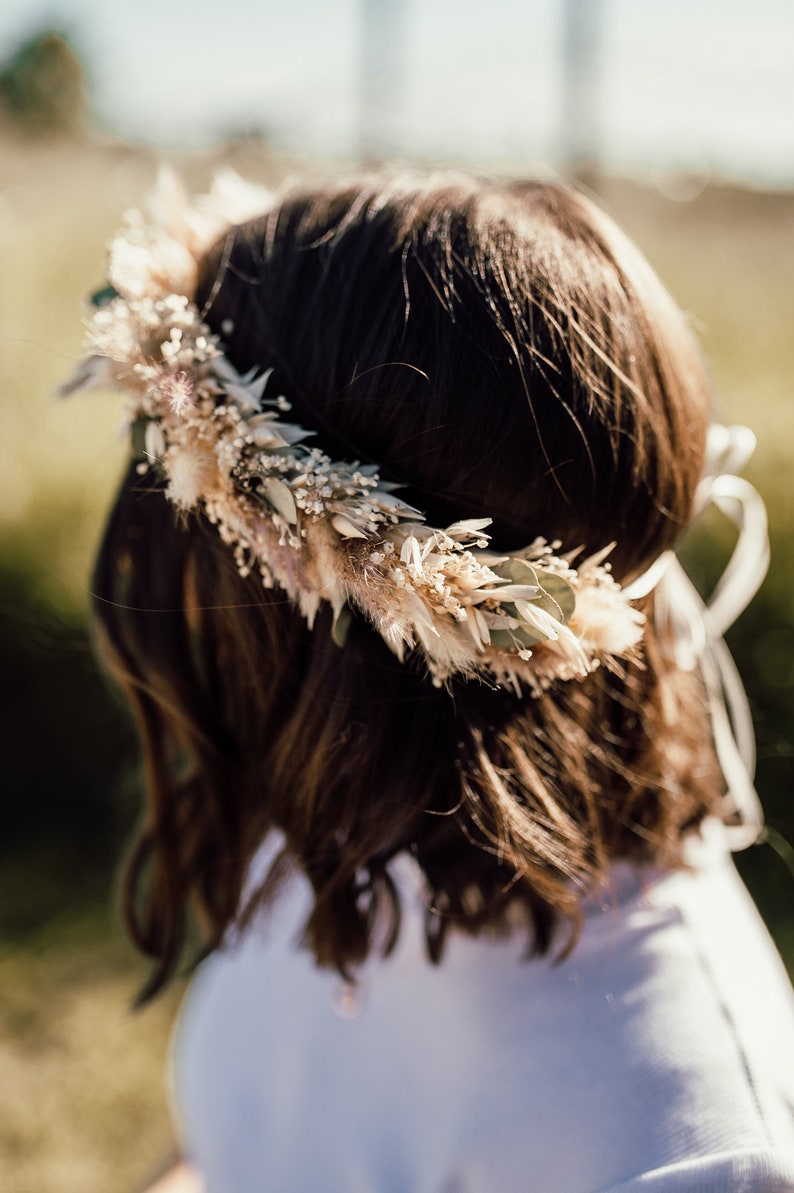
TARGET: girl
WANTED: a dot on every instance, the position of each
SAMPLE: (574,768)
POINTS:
(435,744)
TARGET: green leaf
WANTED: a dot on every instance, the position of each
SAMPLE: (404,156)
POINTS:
(524,635)
(512,640)
(557,597)
(138,437)
(517,571)
(101,298)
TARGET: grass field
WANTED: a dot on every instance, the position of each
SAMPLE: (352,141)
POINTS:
(82,1093)
(82,1078)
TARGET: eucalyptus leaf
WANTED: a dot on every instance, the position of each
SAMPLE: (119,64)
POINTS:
(517,571)
(138,436)
(101,298)
(526,635)
(511,639)
(557,597)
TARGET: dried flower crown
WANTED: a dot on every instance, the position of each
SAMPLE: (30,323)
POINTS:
(319,529)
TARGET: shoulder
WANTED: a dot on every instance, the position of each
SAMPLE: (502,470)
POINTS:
(665,1040)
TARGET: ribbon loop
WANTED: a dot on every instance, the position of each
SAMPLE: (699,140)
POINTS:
(698,626)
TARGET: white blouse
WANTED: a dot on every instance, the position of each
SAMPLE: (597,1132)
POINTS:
(658,1057)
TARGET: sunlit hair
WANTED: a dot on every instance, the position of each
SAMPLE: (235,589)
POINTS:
(498,350)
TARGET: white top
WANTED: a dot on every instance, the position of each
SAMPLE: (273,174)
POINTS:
(659,1057)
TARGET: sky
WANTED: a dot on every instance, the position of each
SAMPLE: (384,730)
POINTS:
(697,86)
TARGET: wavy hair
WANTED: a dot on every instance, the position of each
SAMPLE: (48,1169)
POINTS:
(499,350)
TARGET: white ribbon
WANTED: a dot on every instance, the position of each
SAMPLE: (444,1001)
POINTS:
(698,626)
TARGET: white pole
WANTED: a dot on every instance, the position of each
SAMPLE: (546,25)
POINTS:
(382,68)
(582,27)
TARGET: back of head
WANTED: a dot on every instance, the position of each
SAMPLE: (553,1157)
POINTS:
(494,348)
(500,351)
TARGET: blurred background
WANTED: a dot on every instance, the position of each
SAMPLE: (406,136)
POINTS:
(678,114)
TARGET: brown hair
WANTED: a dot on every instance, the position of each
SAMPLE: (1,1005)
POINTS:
(498,350)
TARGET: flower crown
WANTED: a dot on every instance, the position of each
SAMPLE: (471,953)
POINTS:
(324,530)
